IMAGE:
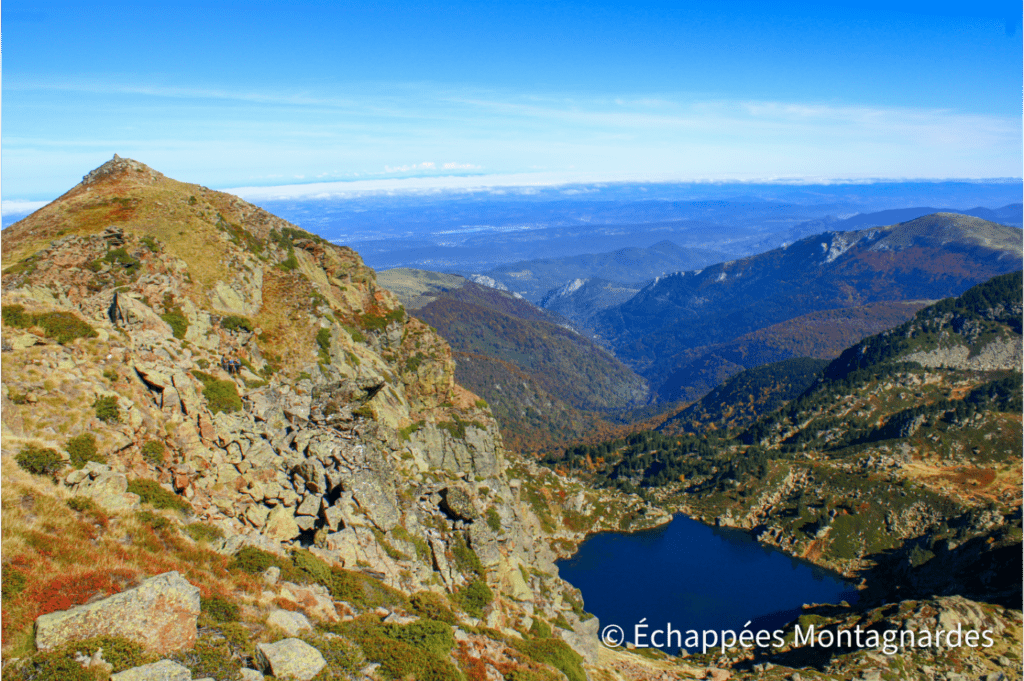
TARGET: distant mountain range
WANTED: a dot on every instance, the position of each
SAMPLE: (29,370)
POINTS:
(1012,214)
(924,259)
(534,279)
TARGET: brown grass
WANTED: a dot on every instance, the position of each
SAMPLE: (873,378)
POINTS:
(68,558)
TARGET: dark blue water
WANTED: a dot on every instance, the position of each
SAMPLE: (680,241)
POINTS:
(696,577)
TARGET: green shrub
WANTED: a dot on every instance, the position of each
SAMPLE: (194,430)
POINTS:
(220,609)
(481,404)
(466,559)
(203,532)
(150,492)
(39,461)
(323,341)
(119,256)
(12,584)
(540,628)
(344,658)
(52,666)
(493,520)
(210,657)
(434,637)
(14,315)
(107,409)
(236,323)
(256,561)
(432,606)
(63,327)
(177,321)
(83,449)
(153,452)
(119,652)
(364,591)
(150,243)
(203,363)
(474,597)
(400,659)
(222,396)
(556,653)
(318,570)
(153,520)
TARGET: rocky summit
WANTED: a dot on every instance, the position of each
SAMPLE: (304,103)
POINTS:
(228,452)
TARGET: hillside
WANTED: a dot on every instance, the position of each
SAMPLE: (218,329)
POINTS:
(821,335)
(546,383)
(580,299)
(633,265)
(899,465)
(740,400)
(925,259)
(227,448)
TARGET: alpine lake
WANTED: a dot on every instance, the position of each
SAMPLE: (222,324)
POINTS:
(687,575)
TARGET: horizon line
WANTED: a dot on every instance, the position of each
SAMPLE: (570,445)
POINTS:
(519,182)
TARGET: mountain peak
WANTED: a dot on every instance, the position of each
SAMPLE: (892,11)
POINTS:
(119,166)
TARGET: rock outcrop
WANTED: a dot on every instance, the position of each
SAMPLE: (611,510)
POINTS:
(160,614)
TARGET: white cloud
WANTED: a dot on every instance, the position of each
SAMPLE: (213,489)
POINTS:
(18,207)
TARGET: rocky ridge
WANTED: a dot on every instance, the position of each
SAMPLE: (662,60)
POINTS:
(171,347)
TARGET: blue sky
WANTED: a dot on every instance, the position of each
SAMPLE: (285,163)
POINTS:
(257,94)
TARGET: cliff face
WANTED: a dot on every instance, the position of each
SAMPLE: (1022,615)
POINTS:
(156,331)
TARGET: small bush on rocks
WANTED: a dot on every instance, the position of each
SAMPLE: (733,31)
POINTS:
(204,532)
(432,606)
(474,597)
(178,323)
(153,452)
(556,653)
(82,449)
(39,461)
(63,327)
(117,651)
(220,609)
(107,409)
(235,323)
(150,492)
(210,657)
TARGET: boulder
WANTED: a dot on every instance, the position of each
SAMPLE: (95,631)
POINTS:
(160,614)
(280,525)
(164,670)
(291,623)
(458,504)
(290,658)
(107,488)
